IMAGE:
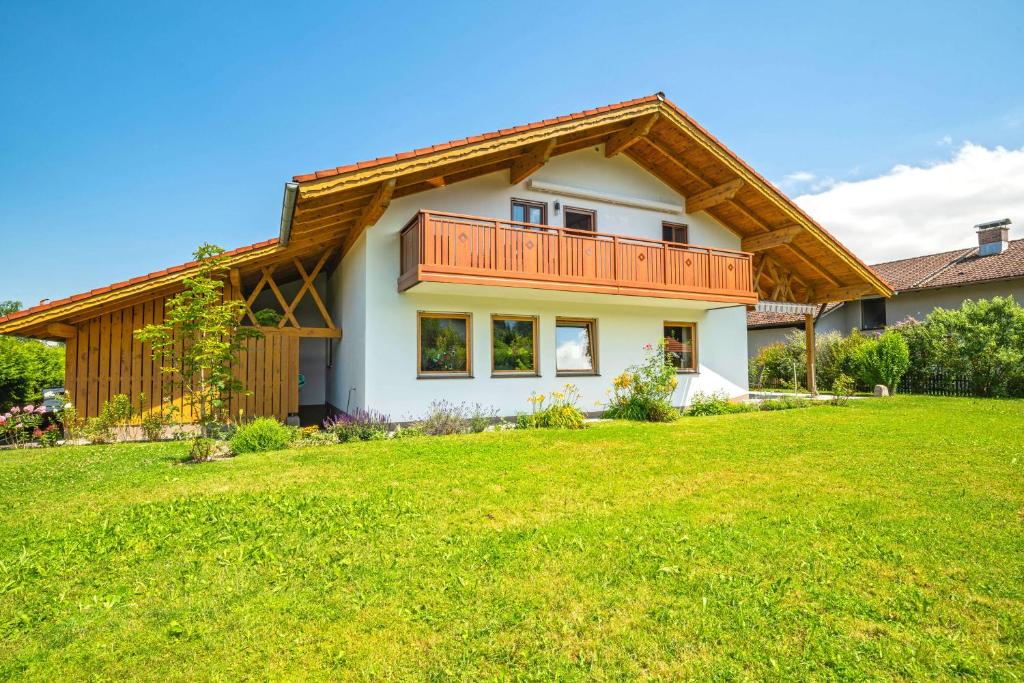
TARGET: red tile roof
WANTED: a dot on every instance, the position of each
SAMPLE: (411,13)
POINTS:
(954,268)
(127,283)
(360,165)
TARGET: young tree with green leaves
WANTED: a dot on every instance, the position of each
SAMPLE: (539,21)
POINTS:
(200,338)
(9,306)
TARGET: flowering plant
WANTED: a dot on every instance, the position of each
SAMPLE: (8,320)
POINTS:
(18,423)
(560,412)
(644,391)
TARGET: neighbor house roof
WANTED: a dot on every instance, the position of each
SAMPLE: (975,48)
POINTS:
(762,319)
(332,206)
(956,268)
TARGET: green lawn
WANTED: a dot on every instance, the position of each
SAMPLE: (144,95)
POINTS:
(881,540)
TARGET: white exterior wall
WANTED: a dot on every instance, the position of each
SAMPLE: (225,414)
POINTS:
(625,323)
(347,287)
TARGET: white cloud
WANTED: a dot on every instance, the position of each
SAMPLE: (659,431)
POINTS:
(914,210)
(944,141)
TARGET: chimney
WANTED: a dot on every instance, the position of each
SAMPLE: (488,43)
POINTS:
(993,237)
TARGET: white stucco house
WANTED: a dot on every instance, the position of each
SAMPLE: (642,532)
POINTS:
(994,267)
(483,269)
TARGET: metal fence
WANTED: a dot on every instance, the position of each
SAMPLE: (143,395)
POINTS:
(936,385)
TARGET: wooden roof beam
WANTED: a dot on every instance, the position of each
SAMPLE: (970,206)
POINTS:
(620,141)
(770,240)
(703,201)
(372,213)
(61,330)
(530,162)
(843,294)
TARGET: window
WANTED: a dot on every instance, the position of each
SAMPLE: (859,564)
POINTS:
(580,219)
(513,345)
(575,347)
(681,346)
(872,314)
(443,345)
(524,211)
(675,232)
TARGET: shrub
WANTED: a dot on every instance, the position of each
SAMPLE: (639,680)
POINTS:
(444,418)
(716,403)
(842,389)
(96,431)
(27,366)
(782,363)
(784,403)
(983,341)
(361,425)
(117,414)
(560,413)
(480,417)
(883,360)
(201,449)
(260,435)
(644,391)
(18,424)
(70,420)
(836,355)
(47,437)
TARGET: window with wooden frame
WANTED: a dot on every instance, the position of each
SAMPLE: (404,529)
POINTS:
(526,211)
(681,346)
(444,346)
(514,345)
(679,233)
(580,219)
(575,346)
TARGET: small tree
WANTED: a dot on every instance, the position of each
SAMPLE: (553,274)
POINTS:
(9,306)
(883,360)
(200,338)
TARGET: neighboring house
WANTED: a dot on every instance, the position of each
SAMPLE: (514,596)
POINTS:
(993,268)
(483,269)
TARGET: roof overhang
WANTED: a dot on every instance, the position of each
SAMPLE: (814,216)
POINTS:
(796,258)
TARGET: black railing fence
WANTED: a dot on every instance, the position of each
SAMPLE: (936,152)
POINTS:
(936,385)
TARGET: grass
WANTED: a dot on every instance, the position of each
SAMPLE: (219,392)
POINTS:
(879,540)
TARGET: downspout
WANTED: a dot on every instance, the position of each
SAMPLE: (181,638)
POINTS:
(291,194)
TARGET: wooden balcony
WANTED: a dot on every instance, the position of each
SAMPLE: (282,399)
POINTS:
(452,248)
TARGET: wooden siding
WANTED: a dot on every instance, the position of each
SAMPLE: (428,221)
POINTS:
(444,247)
(104,359)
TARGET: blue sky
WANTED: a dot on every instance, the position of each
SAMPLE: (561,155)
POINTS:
(130,133)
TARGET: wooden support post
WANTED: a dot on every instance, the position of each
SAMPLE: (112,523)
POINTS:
(812,385)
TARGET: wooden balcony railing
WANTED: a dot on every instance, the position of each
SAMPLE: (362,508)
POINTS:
(447,247)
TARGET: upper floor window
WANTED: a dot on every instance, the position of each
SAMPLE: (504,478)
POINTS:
(872,314)
(525,211)
(675,232)
(445,348)
(580,219)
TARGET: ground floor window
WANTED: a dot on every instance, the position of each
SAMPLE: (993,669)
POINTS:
(513,345)
(575,346)
(444,345)
(681,346)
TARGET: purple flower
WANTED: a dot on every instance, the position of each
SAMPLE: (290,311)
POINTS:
(15,410)
(29,408)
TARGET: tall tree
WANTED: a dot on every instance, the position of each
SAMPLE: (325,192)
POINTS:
(200,338)
(9,306)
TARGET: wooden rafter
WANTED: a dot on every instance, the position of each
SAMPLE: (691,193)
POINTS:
(799,253)
(61,330)
(268,272)
(620,141)
(527,164)
(252,297)
(308,285)
(372,213)
(842,294)
(703,201)
(770,240)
